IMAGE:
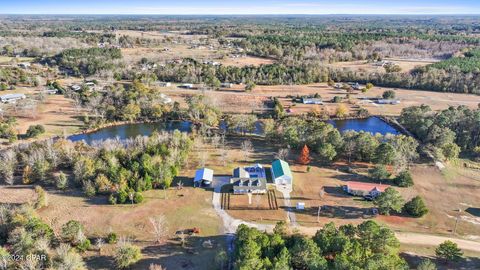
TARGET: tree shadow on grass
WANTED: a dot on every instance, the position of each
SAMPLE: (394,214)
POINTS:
(465,263)
(335,211)
(336,192)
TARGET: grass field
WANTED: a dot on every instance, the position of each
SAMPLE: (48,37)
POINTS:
(362,65)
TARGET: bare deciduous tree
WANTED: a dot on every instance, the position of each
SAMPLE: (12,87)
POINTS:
(156,267)
(282,153)
(99,243)
(160,229)
(8,162)
(247,148)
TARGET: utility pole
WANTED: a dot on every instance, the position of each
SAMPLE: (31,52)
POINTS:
(456,221)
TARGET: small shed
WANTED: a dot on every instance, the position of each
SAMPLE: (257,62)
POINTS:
(227,85)
(317,101)
(300,206)
(186,85)
(203,176)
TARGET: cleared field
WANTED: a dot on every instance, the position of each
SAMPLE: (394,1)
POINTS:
(436,100)
(246,61)
(8,60)
(171,52)
(363,65)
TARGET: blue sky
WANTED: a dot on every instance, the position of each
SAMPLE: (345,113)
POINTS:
(239,7)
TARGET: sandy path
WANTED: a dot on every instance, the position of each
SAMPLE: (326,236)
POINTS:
(231,224)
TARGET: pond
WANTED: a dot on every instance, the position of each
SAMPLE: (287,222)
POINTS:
(126,131)
(371,124)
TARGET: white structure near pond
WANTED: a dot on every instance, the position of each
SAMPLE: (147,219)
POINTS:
(203,176)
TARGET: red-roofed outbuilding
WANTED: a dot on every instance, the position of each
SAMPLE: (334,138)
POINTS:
(362,189)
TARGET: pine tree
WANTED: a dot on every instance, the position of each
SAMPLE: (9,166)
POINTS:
(304,158)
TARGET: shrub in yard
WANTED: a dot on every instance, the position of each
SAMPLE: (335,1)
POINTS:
(122,196)
(426,264)
(61,181)
(112,238)
(89,189)
(138,197)
(34,131)
(112,199)
(404,179)
(127,254)
(449,251)
(379,172)
(84,245)
(70,230)
(41,197)
(388,201)
(416,207)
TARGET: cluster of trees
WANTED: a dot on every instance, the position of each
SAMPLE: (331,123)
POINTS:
(119,169)
(330,144)
(11,76)
(26,242)
(468,62)
(30,243)
(391,201)
(122,103)
(7,129)
(445,133)
(432,79)
(192,71)
(86,61)
(366,246)
(35,131)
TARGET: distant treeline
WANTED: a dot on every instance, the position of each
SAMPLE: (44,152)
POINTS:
(433,79)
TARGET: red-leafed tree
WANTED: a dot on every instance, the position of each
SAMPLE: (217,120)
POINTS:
(304,157)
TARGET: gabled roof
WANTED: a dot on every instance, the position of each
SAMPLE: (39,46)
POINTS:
(203,174)
(281,168)
(366,186)
(240,172)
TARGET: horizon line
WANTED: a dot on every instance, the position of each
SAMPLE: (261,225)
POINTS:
(248,14)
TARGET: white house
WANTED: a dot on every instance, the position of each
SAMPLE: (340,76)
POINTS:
(203,176)
(186,85)
(24,65)
(76,87)
(11,98)
(317,101)
(281,173)
(227,85)
(165,84)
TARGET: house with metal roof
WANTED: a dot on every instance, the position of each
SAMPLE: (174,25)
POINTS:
(317,101)
(203,176)
(281,173)
(11,98)
(249,185)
